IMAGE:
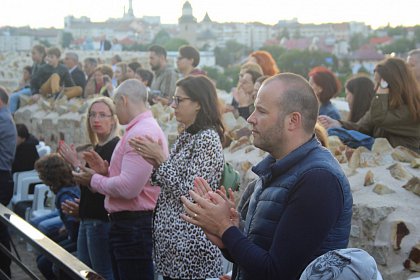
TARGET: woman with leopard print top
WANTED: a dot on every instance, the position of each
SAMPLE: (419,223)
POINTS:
(182,250)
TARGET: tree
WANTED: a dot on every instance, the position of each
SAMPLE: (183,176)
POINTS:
(301,62)
(284,33)
(357,40)
(173,44)
(224,80)
(417,34)
(66,39)
(161,38)
(230,54)
(399,46)
(275,51)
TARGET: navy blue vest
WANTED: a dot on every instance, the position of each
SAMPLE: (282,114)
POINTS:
(277,180)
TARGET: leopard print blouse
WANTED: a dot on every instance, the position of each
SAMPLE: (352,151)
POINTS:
(181,250)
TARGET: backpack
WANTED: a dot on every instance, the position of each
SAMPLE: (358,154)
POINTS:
(230,177)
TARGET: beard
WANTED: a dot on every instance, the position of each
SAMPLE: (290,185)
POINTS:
(155,67)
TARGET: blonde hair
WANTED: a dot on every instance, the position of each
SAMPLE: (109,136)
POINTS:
(115,131)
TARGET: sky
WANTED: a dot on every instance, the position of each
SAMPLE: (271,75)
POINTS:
(51,13)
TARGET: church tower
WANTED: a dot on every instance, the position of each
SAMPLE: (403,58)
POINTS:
(187,24)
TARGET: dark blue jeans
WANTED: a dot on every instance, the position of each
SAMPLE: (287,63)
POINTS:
(131,248)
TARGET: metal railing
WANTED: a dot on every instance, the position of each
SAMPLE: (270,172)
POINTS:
(59,256)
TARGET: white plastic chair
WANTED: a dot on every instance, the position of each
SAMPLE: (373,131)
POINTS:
(42,193)
(17,179)
(22,188)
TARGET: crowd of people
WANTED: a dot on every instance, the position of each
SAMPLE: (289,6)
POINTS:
(129,206)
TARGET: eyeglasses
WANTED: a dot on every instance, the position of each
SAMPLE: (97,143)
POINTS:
(100,116)
(178,99)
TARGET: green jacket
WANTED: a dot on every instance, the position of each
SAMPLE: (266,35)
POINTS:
(396,125)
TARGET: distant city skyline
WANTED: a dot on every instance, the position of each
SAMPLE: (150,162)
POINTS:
(51,13)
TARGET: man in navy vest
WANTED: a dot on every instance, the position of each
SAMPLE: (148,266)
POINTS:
(301,206)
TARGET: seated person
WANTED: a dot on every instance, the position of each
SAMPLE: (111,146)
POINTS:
(38,55)
(245,67)
(146,77)
(52,76)
(326,85)
(56,173)
(245,93)
(394,112)
(359,93)
(132,68)
(25,82)
(103,82)
(71,60)
(26,152)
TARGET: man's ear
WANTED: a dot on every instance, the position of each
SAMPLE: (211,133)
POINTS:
(294,120)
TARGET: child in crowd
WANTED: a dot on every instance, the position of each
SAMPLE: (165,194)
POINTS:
(55,172)
(52,76)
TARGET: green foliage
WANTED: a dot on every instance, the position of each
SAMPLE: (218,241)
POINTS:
(225,80)
(136,47)
(301,62)
(230,54)
(357,40)
(46,43)
(275,51)
(363,70)
(173,44)
(161,38)
(66,39)
(417,34)
(284,33)
(399,46)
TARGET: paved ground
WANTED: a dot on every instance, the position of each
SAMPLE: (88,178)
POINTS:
(27,257)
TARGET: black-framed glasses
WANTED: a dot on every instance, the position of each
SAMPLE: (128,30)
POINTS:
(178,99)
(100,116)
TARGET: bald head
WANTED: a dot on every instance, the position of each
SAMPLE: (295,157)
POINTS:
(296,95)
(134,90)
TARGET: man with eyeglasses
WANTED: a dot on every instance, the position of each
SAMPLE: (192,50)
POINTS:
(163,85)
(129,197)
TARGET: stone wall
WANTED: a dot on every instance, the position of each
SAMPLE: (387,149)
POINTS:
(385,181)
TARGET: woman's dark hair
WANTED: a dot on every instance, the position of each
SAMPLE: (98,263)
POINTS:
(54,171)
(363,90)
(402,85)
(134,66)
(200,89)
(22,131)
(325,79)
(146,75)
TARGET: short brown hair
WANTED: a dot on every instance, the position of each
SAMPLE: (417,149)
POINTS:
(191,53)
(54,51)
(105,70)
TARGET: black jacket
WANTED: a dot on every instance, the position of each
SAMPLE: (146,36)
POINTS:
(78,77)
